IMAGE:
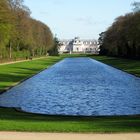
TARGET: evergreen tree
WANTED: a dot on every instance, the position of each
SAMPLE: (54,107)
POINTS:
(54,50)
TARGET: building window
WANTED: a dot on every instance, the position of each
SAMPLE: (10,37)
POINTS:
(77,49)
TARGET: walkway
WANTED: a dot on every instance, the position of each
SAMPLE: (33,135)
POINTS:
(63,136)
(13,62)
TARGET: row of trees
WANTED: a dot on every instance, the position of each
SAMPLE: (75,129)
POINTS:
(21,35)
(123,37)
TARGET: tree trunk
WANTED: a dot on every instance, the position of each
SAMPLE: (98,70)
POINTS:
(10,50)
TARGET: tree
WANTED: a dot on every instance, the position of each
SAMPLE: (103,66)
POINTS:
(21,35)
(101,43)
(122,38)
(54,50)
(5,26)
(136,6)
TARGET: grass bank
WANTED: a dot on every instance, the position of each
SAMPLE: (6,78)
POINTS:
(128,65)
(11,120)
(12,74)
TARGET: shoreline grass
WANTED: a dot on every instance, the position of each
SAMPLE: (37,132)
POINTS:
(15,73)
(12,74)
(12,120)
(131,66)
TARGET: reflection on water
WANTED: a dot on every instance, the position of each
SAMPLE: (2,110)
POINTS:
(77,86)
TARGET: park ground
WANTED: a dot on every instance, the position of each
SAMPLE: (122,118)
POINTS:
(12,120)
(68,136)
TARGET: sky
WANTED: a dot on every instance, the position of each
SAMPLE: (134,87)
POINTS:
(82,18)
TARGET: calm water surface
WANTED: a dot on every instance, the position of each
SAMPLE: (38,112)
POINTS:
(77,86)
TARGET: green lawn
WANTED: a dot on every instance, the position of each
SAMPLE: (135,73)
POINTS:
(12,120)
(14,73)
(128,65)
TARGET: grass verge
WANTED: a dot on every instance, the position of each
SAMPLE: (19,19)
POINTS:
(128,65)
(13,74)
(11,120)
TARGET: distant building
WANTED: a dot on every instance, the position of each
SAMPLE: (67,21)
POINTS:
(79,46)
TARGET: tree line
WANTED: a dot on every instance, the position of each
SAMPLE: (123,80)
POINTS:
(122,39)
(20,35)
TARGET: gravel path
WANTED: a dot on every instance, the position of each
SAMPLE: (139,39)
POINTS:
(13,62)
(64,136)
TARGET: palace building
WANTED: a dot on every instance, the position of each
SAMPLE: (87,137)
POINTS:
(79,46)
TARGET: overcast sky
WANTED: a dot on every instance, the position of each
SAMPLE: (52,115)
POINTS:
(83,18)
